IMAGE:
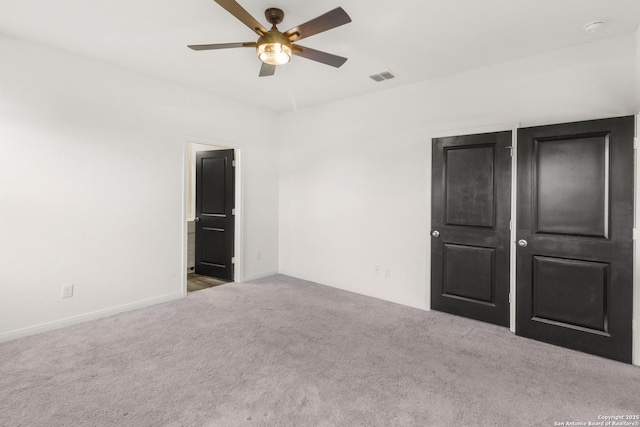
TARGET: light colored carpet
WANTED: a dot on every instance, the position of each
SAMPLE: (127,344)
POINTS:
(284,352)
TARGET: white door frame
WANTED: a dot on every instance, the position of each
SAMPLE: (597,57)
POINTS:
(636,249)
(238,267)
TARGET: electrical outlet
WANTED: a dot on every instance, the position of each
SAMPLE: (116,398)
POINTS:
(67,291)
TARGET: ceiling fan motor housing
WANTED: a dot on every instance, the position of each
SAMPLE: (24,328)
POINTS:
(274,15)
(274,36)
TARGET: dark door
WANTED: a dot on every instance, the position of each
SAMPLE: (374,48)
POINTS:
(575,216)
(471,204)
(215,213)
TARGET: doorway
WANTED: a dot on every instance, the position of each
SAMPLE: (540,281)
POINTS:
(212,215)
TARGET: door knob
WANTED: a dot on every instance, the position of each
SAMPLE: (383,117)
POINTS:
(196,219)
(435,233)
(522,243)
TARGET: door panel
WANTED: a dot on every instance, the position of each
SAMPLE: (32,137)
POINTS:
(213,185)
(213,252)
(571,185)
(575,210)
(214,212)
(471,193)
(570,292)
(469,273)
(469,188)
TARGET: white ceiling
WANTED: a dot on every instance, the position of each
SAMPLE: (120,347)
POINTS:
(415,39)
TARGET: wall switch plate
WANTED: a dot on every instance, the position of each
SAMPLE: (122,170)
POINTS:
(67,291)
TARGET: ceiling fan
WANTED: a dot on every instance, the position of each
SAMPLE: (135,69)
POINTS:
(274,47)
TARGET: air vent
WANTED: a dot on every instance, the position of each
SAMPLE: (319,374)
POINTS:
(380,77)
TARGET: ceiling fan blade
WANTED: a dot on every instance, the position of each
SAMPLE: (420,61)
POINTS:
(329,20)
(267,70)
(317,55)
(236,10)
(220,46)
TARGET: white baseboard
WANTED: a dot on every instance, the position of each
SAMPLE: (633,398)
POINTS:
(257,276)
(409,302)
(57,324)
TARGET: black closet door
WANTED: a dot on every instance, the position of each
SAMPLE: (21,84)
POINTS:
(575,242)
(471,208)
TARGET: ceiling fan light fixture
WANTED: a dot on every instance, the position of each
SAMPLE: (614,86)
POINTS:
(275,48)
(274,53)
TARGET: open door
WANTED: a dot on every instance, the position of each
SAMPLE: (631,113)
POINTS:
(214,215)
(471,209)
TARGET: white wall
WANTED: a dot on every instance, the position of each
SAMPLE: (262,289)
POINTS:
(92,185)
(355,192)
